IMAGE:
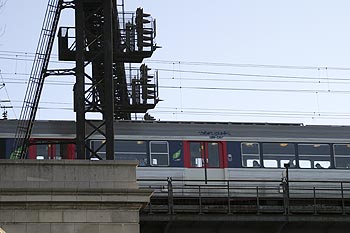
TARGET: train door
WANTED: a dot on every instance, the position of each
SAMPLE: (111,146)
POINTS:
(205,160)
(51,149)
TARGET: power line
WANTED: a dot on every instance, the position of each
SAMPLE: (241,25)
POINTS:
(256,89)
(220,64)
(256,114)
(333,91)
(229,74)
(7,94)
(260,114)
(251,75)
(217,88)
(258,78)
(290,79)
(203,63)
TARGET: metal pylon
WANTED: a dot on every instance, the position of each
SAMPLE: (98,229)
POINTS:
(101,44)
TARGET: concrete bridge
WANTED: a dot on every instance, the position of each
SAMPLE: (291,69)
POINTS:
(69,197)
(58,196)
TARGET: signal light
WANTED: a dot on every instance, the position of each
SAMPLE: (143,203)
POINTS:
(148,88)
(142,30)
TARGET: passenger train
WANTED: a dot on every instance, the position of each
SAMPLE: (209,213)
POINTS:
(204,150)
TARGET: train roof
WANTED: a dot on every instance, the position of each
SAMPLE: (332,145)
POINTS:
(193,131)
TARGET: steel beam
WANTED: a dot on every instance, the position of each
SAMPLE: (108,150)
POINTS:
(108,78)
(79,87)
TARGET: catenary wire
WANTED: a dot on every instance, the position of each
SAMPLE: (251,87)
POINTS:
(203,63)
(7,94)
(254,66)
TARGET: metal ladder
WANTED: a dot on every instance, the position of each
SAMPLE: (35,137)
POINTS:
(36,79)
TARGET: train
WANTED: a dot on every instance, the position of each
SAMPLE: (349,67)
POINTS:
(217,150)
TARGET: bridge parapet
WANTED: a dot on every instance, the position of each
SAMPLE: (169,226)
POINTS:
(70,196)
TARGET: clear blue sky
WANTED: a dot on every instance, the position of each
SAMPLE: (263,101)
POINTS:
(215,52)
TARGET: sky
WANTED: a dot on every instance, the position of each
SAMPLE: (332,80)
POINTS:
(228,61)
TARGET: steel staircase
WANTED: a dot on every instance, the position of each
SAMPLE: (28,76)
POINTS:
(36,79)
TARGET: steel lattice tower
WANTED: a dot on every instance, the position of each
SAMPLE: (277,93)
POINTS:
(104,39)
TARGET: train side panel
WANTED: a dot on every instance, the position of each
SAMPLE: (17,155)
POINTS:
(3,148)
(234,159)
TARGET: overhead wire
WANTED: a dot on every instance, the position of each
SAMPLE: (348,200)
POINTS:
(7,94)
(220,64)
(181,87)
(259,114)
(296,79)
(281,78)
(203,63)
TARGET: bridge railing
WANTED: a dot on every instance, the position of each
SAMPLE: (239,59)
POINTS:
(247,196)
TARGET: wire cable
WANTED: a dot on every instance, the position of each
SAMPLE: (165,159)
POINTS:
(7,94)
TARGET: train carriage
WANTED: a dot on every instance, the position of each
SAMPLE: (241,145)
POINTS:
(199,150)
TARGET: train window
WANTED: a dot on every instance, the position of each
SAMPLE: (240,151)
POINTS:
(96,145)
(58,151)
(270,163)
(42,152)
(51,149)
(314,155)
(213,154)
(159,153)
(342,155)
(304,163)
(275,155)
(131,150)
(292,163)
(250,154)
(196,154)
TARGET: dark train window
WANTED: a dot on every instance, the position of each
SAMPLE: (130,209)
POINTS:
(42,152)
(314,155)
(342,155)
(124,150)
(131,150)
(51,151)
(159,153)
(250,154)
(213,154)
(3,148)
(196,154)
(95,146)
(275,155)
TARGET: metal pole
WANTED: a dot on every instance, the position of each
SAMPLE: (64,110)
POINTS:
(287,176)
(315,208)
(257,200)
(170,196)
(342,198)
(79,87)
(285,183)
(200,199)
(228,198)
(108,78)
(150,206)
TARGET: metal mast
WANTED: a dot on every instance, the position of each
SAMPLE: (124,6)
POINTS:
(103,41)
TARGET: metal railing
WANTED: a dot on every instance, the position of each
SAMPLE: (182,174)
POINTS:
(247,196)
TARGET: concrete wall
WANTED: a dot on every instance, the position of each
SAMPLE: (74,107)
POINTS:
(70,196)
